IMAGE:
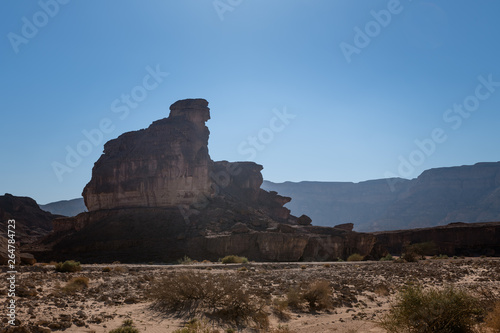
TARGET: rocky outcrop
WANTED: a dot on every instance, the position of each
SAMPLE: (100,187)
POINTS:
(437,197)
(155,195)
(461,239)
(31,221)
(164,166)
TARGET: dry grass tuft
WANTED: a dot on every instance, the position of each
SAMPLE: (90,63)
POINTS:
(76,284)
(234,260)
(382,290)
(355,257)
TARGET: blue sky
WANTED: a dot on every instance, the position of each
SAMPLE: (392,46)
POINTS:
(371,88)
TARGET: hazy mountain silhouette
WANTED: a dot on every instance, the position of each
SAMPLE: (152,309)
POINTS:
(437,197)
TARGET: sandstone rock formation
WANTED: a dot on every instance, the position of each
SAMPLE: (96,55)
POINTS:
(31,224)
(155,194)
(461,239)
(164,166)
(31,221)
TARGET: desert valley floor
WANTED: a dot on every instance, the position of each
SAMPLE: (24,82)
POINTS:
(361,293)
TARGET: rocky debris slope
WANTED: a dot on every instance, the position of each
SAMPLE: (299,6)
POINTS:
(156,195)
(437,197)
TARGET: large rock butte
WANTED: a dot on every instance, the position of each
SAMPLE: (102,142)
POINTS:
(164,166)
(156,195)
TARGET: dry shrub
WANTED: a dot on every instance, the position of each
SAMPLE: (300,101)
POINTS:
(280,307)
(432,311)
(382,290)
(120,269)
(76,284)
(317,295)
(493,318)
(294,298)
(218,296)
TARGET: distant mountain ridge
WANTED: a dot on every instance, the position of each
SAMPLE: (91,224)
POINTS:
(71,207)
(437,197)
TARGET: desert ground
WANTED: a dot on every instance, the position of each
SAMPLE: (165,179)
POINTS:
(360,293)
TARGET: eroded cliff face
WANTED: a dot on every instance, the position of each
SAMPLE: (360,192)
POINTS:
(461,239)
(163,166)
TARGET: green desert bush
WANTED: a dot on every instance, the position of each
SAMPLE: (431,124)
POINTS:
(76,284)
(355,257)
(106,269)
(218,296)
(449,310)
(68,266)
(232,259)
(185,261)
(388,257)
(414,252)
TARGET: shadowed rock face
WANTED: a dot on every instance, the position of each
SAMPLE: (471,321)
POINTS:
(467,239)
(164,166)
(155,195)
(31,221)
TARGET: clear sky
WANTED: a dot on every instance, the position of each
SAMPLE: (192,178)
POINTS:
(324,90)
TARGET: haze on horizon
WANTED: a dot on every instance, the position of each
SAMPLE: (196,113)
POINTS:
(317,91)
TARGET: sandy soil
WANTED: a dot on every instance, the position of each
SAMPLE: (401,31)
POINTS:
(361,292)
